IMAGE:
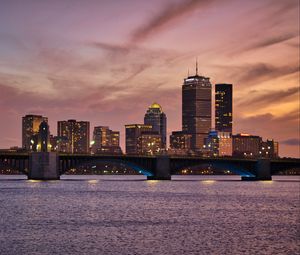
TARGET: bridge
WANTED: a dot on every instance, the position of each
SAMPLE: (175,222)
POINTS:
(50,165)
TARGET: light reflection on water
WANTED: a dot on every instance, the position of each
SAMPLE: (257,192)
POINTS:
(129,215)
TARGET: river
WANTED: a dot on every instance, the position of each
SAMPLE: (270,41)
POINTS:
(129,215)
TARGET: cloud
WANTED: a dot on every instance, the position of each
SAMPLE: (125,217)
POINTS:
(261,71)
(264,98)
(138,59)
(123,49)
(170,14)
(270,41)
(291,142)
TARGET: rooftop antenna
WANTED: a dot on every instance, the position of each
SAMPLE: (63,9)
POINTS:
(196,66)
(188,73)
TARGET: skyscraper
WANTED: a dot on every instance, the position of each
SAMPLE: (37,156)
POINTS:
(78,134)
(223,107)
(196,109)
(158,120)
(30,130)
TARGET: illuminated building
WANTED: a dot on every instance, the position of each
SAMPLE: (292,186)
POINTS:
(180,143)
(78,134)
(196,109)
(218,144)
(133,133)
(223,107)
(158,120)
(30,130)
(60,144)
(269,149)
(44,138)
(149,143)
(245,145)
(106,141)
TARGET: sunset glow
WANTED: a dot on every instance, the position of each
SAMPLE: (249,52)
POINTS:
(107,61)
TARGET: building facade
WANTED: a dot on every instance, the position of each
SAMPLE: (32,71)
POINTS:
(133,138)
(60,144)
(218,144)
(196,109)
(223,107)
(180,143)
(77,133)
(245,145)
(105,141)
(158,120)
(30,130)
(269,149)
(149,143)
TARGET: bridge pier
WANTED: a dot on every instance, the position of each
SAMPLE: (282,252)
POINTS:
(43,166)
(262,171)
(162,169)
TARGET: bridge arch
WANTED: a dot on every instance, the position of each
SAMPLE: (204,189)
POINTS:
(234,168)
(15,165)
(138,168)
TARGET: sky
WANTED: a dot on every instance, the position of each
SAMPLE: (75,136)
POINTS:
(106,61)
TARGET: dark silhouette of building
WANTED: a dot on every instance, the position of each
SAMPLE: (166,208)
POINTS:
(30,130)
(269,149)
(106,141)
(158,120)
(180,143)
(44,138)
(223,107)
(78,134)
(196,109)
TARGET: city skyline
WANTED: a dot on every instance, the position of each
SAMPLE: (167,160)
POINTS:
(106,75)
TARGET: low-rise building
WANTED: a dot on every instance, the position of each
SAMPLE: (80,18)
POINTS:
(218,144)
(246,145)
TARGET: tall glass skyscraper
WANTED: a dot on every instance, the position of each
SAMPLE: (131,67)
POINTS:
(196,109)
(223,107)
(158,120)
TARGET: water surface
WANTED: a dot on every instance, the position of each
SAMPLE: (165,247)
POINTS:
(129,215)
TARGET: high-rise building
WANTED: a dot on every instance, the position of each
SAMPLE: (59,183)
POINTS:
(196,109)
(106,141)
(245,145)
(133,133)
(78,134)
(30,130)
(218,144)
(158,120)
(223,107)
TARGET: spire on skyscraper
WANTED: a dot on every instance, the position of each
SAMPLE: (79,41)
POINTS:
(196,66)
